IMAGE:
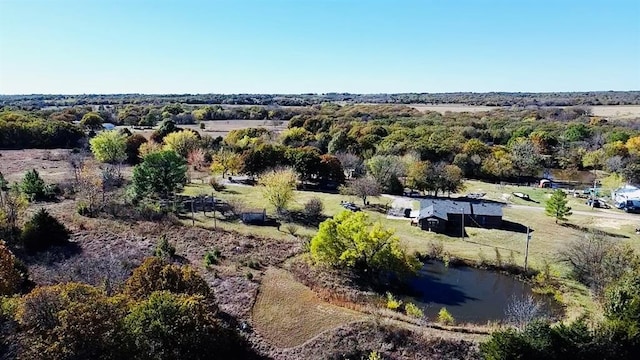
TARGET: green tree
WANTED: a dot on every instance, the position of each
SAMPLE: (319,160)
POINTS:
(92,121)
(557,207)
(109,147)
(622,299)
(32,185)
(260,158)
(350,240)
(278,188)
(305,161)
(160,174)
(525,157)
(173,109)
(541,340)
(153,117)
(43,231)
(339,142)
(384,168)
(166,127)
(577,132)
(172,326)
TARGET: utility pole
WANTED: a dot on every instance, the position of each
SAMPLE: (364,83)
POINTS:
(526,251)
(462,223)
(213,206)
(193,215)
(593,191)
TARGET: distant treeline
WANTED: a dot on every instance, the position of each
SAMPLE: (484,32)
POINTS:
(35,102)
(505,144)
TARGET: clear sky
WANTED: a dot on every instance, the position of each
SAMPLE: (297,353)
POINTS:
(296,46)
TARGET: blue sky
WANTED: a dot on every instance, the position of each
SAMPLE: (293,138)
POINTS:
(295,46)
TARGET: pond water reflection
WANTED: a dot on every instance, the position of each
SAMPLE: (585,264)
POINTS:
(469,294)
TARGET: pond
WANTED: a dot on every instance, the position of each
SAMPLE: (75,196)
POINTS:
(471,295)
(579,177)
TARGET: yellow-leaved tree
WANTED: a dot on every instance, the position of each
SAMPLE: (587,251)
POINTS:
(225,161)
(181,142)
(633,145)
(278,188)
(109,147)
(10,276)
(350,240)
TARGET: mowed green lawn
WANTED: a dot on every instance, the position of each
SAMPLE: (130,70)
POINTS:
(504,193)
(548,238)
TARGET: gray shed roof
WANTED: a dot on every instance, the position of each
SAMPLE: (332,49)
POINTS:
(440,208)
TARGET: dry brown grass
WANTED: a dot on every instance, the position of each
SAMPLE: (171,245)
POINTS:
(443,108)
(51,164)
(287,313)
(221,127)
(617,111)
(608,111)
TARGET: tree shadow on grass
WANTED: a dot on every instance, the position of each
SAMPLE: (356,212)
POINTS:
(514,227)
(300,218)
(229,192)
(587,229)
(53,254)
(379,208)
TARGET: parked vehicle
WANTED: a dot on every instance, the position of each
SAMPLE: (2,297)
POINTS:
(350,206)
(631,207)
(597,204)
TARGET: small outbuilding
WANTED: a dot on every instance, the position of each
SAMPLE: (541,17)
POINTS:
(254,216)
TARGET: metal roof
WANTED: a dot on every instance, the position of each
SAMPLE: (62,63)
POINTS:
(441,208)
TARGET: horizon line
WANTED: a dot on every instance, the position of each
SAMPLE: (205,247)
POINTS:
(319,93)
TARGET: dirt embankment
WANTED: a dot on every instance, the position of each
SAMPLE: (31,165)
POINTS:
(112,248)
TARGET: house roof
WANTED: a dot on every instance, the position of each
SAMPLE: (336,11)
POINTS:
(441,208)
(627,188)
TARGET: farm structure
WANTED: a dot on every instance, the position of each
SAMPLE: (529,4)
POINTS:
(256,216)
(442,215)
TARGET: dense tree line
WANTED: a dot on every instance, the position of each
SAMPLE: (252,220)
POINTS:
(163,311)
(31,102)
(397,145)
(19,131)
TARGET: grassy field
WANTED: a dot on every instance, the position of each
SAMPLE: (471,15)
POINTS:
(288,313)
(548,238)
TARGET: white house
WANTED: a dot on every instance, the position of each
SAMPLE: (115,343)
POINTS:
(626,193)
